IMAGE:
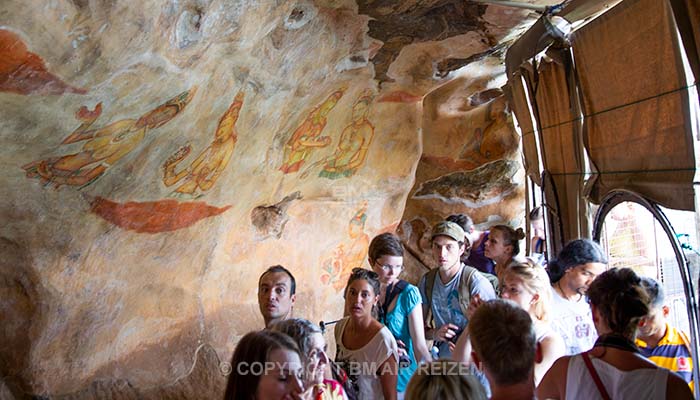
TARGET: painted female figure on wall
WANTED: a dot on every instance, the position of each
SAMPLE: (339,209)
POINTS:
(104,146)
(204,171)
(307,136)
(354,142)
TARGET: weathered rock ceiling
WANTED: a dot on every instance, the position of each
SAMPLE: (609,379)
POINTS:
(159,155)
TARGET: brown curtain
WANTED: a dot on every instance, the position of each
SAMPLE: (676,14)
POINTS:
(687,17)
(521,109)
(638,127)
(561,145)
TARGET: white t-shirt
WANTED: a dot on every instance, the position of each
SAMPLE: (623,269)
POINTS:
(638,384)
(362,365)
(573,321)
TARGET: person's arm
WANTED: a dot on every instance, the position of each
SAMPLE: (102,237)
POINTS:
(462,351)
(388,377)
(415,328)
(481,287)
(553,385)
(552,348)
(677,388)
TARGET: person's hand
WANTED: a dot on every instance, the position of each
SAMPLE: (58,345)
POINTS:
(451,345)
(474,303)
(402,348)
(446,332)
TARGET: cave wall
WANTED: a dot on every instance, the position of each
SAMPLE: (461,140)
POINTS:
(159,156)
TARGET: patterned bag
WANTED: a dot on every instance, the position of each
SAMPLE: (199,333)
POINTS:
(342,377)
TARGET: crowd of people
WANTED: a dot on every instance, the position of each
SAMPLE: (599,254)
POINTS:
(485,323)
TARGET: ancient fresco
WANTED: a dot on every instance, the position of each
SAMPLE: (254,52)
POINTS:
(354,142)
(307,137)
(104,146)
(269,220)
(24,72)
(218,139)
(350,254)
(203,172)
(154,216)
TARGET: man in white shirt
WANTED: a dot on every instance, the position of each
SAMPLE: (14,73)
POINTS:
(578,264)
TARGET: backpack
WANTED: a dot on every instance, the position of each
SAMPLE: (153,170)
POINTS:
(464,289)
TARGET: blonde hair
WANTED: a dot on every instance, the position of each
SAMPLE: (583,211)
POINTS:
(536,281)
(440,380)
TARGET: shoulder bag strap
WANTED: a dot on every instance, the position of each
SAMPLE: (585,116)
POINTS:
(429,283)
(391,295)
(464,291)
(594,375)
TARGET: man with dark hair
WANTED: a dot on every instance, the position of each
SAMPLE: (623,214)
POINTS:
(505,348)
(447,290)
(578,264)
(276,294)
(661,343)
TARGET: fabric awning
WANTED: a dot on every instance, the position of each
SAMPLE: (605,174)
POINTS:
(631,126)
(635,100)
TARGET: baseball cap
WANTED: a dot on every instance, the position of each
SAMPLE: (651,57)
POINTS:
(450,229)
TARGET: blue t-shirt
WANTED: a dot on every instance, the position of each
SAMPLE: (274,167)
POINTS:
(397,322)
(445,305)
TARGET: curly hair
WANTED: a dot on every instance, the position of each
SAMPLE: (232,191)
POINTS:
(576,252)
(621,299)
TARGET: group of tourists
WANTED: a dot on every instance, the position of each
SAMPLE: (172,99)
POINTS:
(567,331)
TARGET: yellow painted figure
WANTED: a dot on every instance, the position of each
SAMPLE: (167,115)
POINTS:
(307,136)
(354,142)
(203,172)
(105,146)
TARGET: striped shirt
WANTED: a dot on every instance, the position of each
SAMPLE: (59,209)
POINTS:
(671,353)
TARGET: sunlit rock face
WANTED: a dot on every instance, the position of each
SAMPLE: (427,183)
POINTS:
(159,155)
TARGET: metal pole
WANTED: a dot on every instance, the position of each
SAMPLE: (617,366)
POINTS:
(515,4)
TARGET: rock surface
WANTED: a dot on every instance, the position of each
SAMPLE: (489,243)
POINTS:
(159,155)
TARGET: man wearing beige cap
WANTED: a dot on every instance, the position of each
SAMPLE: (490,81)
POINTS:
(447,289)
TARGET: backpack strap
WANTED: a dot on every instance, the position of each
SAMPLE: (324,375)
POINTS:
(428,306)
(392,292)
(465,283)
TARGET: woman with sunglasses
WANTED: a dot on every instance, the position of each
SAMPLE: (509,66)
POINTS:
(399,305)
(364,347)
